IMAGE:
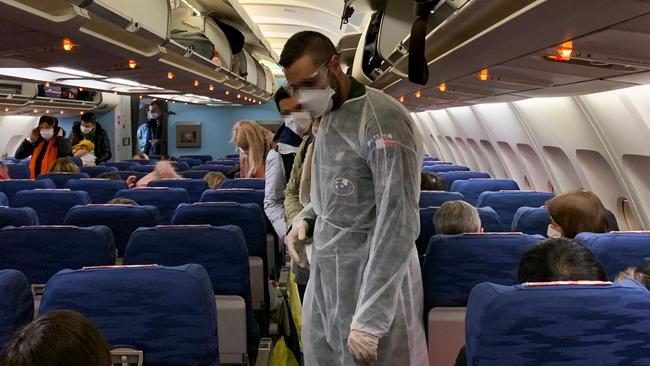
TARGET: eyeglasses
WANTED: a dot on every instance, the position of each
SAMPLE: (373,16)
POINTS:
(310,81)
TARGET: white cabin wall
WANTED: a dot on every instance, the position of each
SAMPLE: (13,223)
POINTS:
(560,125)
(622,118)
(14,130)
(432,135)
(447,135)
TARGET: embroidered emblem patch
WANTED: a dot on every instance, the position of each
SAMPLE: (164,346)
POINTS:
(343,187)
(381,142)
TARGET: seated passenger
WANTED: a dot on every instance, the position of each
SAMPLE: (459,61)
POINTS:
(214,179)
(59,338)
(63,165)
(85,150)
(122,201)
(89,129)
(457,217)
(163,170)
(640,275)
(576,212)
(559,259)
(4,171)
(45,144)
(140,156)
(432,182)
(109,175)
(254,143)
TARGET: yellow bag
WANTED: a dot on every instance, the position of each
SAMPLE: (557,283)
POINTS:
(294,304)
(282,356)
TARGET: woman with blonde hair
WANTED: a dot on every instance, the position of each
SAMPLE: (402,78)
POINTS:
(63,165)
(254,143)
(214,179)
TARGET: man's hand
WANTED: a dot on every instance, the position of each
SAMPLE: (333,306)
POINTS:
(296,243)
(363,347)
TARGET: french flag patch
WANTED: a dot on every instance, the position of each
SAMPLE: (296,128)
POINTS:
(382,142)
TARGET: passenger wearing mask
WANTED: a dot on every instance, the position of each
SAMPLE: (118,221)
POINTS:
(4,171)
(279,162)
(89,129)
(457,217)
(254,143)
(576,212)
(150,132)
(59,338)
(63,165)
(364,300)
(45,144)
(85,151)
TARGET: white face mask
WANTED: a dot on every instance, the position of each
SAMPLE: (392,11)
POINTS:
(88,158)
(316,101)
(86,130)
(298,122)
(152,115)
(47,133)
(552,233)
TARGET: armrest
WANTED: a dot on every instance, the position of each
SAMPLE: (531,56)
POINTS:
(127,357)
(231,325)
(256,267)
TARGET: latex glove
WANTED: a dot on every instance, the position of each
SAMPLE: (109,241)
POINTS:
(363,347)
(296,243)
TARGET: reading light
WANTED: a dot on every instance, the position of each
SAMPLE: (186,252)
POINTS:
(35,110)
(47,111)
(238,96)
(401,99)
(61,111)
(227,92)
(211,87)
(442,87)
(565,51)
(132,64)
(67,45)
(483,75)
(196,83)
(6,109)
(170,75)
(418,94)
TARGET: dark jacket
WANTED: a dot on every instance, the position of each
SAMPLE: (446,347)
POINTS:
(26,149)
(99,137)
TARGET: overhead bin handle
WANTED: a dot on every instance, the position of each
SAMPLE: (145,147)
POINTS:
(418,68)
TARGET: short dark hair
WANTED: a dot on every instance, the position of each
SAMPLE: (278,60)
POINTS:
(59,338)
(559,259)
(578,212)
(122,201)
(315,44)
(89,117)
(280,95)
(52,121)
(432,182)
(109,175)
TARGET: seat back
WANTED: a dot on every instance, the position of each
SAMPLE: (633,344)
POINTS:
(167,312)
(220,250)
(18,171)
(24,216)
(194,187)
(229,162)
(180,166)
(472,188)
(125,174)
(138,161)
(531,220)
(251,183)
(203,158)
(41,251)
(247,216)
(490,220)
(59,179)
(430,158)
(123,220)
(506,203)
(99,190)
(51,205)
(598,324)
(444,168)
(239,195)
(17,305)
(456,263)
(618,250)
(143,168)
(437,198)
(12,186)
(166,199)
(4,200)
(194,174)
(450,177)
(214,168)
(119,165)
(190,162)
(94,171)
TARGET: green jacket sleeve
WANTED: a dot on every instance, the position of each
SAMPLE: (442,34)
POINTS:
(292,204)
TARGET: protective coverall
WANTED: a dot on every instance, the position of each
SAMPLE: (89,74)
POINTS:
(364,271)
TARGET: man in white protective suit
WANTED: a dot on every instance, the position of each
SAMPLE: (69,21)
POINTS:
(363,303)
